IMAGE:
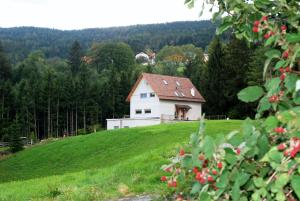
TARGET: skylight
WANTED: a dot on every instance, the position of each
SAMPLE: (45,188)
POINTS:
(192,91)
(175,92)
(178,84)
(182,94)
(165,81)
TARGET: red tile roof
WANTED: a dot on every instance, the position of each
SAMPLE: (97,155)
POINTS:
(175,85)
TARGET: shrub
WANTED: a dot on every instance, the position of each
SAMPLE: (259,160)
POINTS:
(262,160)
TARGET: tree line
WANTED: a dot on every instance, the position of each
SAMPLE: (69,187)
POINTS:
(20,41)
(52,97)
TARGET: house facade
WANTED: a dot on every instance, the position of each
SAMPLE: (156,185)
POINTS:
(155,99)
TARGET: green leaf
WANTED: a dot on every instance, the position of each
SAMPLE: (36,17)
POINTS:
(280,182)
(223,27)
(273,54)
(231,158)
(259,182)
(279,64)
(196,188)
(293,38)
(208,146)
(273,86)
(250,94)
(264,104)
(270,123)
(235,193)
(187,162)
(204,196)
(270,41)
(290,82)
(296,184)
(242,178)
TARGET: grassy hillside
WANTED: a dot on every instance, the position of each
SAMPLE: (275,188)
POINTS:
(97,166)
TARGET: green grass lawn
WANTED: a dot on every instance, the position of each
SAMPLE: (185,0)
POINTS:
(97,166)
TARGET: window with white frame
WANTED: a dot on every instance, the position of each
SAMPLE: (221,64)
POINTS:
(147,111)
(152,94)
(143,95)
(138,111)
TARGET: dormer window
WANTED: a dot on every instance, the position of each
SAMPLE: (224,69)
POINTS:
(152,94)
(192,91)
(175,92)
(165,82)
(177,83)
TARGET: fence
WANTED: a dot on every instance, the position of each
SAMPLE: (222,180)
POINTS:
(215,117)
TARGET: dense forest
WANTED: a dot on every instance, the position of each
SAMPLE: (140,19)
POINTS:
(20,42)
(74,90)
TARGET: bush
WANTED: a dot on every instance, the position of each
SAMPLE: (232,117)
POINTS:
(260,162)
(15,141)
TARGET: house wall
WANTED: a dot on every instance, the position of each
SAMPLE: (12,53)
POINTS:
(167,108)
(136,102)
(129,123)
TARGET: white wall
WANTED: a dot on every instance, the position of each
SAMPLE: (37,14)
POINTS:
(136,102)
(124,123)
(168,108)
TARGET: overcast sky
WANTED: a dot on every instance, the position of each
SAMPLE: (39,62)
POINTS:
(79,14)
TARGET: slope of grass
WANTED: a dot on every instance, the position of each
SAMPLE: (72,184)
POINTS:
(97,166)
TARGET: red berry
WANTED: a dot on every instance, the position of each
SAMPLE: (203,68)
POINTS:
(286,153)
(281,93)
(274,99)
(179,198)
(267,36)
(288,69)
(281,69)
(163,178)
(264,18)
(170,184)
(214,172)
(283,28)
(256,23)
(285,54)
(195,170)
(220,165)
(202,181)
(201,157)
(174,184)
(181,152)
(169,169)
(255,29)
(281,147)
(279,130)
(238,151)
(210,179)
(282,76)
(294,152)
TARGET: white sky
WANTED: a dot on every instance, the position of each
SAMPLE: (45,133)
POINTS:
(79,14)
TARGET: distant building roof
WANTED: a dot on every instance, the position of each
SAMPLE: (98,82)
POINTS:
(170,88)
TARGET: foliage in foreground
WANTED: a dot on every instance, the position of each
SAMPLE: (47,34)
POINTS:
(263,164)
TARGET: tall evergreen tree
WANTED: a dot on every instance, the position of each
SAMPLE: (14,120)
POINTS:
(74,58)
(216,76)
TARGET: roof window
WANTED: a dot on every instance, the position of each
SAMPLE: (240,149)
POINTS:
(192,91)
(177,83)
(175,92)
(165,82)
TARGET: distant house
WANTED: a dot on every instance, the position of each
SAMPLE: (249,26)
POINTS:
(145,59)
(155,99)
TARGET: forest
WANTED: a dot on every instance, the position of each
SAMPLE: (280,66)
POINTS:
(50,94)
(20,41)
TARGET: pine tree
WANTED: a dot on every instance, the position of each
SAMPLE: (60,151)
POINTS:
(216,76)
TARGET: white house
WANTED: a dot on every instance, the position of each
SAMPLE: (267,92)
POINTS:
(155,99)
